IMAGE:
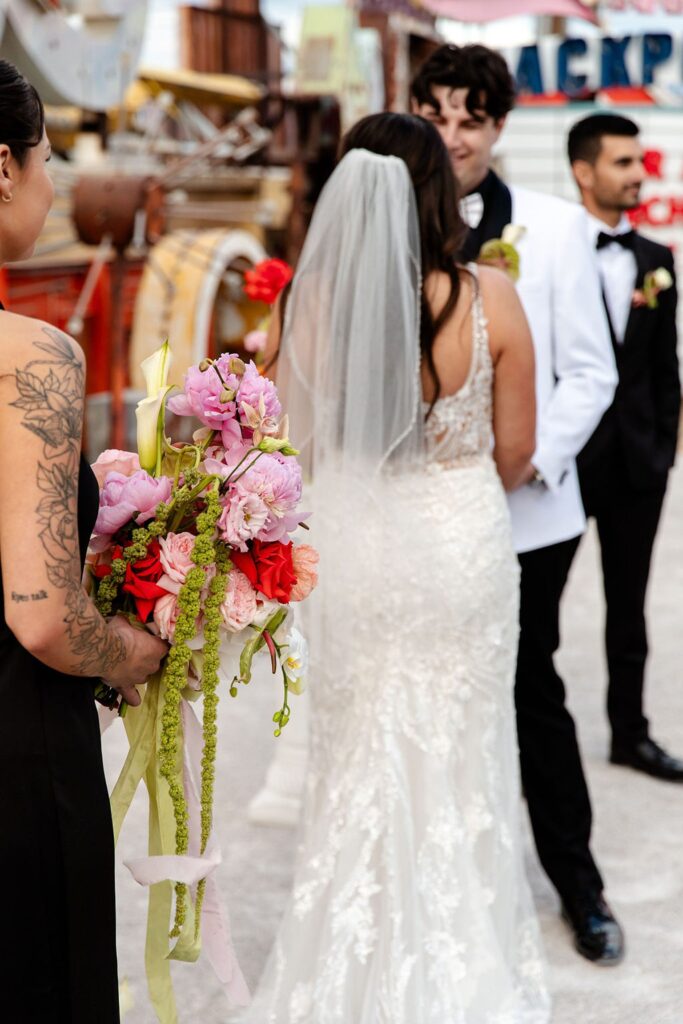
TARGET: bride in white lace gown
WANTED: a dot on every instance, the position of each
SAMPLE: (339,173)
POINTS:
(410,903)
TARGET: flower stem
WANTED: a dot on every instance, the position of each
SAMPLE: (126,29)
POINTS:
(233,479)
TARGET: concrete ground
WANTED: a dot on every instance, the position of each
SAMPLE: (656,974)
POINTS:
(638,836)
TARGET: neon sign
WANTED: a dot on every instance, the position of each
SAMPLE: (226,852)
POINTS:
(577,66)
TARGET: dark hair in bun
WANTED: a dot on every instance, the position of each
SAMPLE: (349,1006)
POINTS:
(22,118)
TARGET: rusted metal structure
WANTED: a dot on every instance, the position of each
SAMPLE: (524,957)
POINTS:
(306,135)
(231,37)
(110,209)
(408,35)
(86,273)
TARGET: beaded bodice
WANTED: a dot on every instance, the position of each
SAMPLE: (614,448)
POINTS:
(458,430)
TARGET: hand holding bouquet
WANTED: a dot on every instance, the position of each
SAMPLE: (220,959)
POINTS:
(192,542)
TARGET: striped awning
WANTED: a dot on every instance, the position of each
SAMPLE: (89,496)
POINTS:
(491,10)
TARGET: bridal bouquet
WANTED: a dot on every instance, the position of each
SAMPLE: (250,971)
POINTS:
(192,541)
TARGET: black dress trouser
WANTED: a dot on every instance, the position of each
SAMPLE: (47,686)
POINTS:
(627,519)
(552,773)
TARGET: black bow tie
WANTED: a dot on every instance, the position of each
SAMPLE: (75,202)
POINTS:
(627,239)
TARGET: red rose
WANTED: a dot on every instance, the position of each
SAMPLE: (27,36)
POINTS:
(102,569)
(141,582)
(268,567)
(265,282)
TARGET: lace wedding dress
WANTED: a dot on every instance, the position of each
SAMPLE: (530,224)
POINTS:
(410,903)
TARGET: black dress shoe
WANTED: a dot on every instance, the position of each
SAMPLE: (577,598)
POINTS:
(647,757)
(597,934)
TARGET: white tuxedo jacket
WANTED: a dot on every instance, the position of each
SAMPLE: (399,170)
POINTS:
(576,374)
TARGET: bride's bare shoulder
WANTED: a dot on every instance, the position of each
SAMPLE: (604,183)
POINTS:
(438,287)
(496,286)
(505,317)
(23,338)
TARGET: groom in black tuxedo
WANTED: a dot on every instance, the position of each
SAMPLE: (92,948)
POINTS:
(624,467)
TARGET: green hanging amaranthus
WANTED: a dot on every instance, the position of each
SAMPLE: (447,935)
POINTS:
(174,681)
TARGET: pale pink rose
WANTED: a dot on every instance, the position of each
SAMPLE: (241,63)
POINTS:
(175,555)
(243,517)
(305,562)
(239,607)
(115,461)
(167,582)
(165,615)
(255,341)
(124,498)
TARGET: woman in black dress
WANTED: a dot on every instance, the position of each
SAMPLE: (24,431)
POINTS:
(57,933)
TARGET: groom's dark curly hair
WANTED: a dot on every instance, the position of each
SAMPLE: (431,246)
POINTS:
(483,72)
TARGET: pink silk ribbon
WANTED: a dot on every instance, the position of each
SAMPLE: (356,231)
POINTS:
(192,867)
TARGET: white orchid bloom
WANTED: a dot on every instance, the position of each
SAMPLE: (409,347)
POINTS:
(150,411)
(295,660)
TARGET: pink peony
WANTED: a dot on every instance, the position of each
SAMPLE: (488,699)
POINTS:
(239,607)
(175,551)
(274,479)
(115,461)
(244,516)
(165,615)
(305,560)
(253,386)
(129,497)
(277,482)
(202,392)
(223,462)
(231,435)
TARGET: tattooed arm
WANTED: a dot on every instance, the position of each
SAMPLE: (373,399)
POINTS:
(41,416)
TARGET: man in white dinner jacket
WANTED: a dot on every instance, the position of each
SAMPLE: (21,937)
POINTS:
(467,93)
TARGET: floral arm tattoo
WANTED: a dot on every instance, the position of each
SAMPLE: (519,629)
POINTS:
(52,404)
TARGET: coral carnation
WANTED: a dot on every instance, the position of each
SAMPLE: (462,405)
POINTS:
(305,562)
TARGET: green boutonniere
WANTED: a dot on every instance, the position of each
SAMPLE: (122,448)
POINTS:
(502,252)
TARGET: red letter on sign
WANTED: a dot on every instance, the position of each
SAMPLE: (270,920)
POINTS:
(654,159)
(676,209)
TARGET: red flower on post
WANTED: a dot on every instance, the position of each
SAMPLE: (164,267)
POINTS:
(268,567)
(267,279)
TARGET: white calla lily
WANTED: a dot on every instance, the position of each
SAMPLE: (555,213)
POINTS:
(150,410)
(155,369)
(513,234)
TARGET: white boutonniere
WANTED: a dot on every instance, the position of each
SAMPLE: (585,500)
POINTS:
(502,252)
(655,281)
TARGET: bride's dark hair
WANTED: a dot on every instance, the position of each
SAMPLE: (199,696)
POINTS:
(442,230)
